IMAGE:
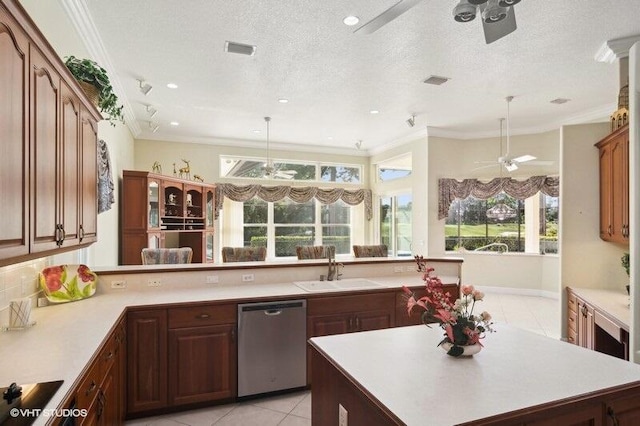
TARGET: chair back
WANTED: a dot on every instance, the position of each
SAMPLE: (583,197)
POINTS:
(158,256)
(379,250)
(243,254)
(315,252)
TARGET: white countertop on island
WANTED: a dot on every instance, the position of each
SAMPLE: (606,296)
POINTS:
(416,381)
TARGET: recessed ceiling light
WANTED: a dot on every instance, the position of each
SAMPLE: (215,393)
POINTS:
(283,100)
(174,123)
(256,131)
(330,138)
(172,86)
(351,20)
(374,111)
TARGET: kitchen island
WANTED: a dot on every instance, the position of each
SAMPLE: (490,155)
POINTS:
(400,377)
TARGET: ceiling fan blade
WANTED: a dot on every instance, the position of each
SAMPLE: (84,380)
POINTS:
(486,162)
(387,16)
(524,158)
(485,167)
(496,30)
(538,163)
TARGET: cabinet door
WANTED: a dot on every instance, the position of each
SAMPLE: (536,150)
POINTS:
(619,188)
(326,325)
(606,225)
(70,172)
(14,179)
(89,180)
(45,110)
(586,325)
(624,411)
(146,360)
(202,364)
(372,320)
(108,404)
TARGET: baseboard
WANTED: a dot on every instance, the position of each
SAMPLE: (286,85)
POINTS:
(520,291)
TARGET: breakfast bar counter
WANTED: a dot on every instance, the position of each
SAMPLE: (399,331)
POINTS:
(400,376)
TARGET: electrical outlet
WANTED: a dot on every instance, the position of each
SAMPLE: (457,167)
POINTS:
(154,282)
(247,277)
(212,279)
(118,284)
(343,416)
(397,269)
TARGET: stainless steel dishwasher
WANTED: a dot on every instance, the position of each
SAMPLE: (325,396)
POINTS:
(272,351)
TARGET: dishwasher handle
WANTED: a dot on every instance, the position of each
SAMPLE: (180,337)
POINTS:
(272,312)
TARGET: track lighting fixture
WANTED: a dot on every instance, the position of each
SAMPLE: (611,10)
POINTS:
(153,126)
(493,12)
(145,87)
(464,12)
(411,121)
(151,111)
(359,144)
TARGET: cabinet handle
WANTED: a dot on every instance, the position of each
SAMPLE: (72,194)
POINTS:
(350,323)
(57,235)
(612,414)
(357,323)
(91,388)
(62,234)
(109,356)
(203,316)
(233,335)
(81,233)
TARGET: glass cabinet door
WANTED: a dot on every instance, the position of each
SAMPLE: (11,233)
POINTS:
(208,252)
(209,208)
(154,204)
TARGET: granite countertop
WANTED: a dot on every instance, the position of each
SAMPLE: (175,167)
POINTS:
(516,369)
(612,303)
(66,336)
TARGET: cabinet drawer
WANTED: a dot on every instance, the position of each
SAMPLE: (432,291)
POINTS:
(342,304)
(607,325)
(89,386)
(107,356)
(196,316)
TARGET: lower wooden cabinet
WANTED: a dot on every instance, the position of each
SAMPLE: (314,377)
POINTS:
(146,360)
(202,353)
(101,389)
(181,355)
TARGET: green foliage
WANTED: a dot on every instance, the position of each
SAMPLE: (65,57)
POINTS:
(625,262)
(90,72)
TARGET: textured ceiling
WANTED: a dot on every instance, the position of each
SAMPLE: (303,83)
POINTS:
(333,77)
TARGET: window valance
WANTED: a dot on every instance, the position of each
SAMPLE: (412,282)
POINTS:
(296,194)
(450,189)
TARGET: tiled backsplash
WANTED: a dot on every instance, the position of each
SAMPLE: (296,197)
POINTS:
(17,281)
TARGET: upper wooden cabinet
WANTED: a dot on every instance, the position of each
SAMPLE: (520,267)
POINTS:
(614,186)
(162,211)
(49,137)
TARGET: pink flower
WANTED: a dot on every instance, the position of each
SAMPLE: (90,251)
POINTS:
(445,316)
(467,289)
(52,277)
(85,273)
(486,316)
(478,295)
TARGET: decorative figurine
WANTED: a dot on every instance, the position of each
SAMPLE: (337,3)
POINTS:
(175,173)
(185,172)
(198,178)
(172,198)
(157,167)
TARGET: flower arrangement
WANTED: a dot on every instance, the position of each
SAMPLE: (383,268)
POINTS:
(462,327)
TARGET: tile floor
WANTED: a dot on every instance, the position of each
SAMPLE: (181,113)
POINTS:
(537,314)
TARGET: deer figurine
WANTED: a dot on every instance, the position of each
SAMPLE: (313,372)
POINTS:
(198,178)
(156,168)
(185,172)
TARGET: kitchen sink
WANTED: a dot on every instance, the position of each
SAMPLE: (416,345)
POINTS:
(339,285)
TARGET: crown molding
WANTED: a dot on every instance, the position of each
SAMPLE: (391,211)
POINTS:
(81,19)
(615,49)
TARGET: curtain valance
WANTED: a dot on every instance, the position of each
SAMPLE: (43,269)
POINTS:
(296,194)
(450,189)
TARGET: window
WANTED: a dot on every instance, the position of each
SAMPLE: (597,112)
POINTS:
(394,168)
(283,225)
(395,224)
(501,223)
(254,168)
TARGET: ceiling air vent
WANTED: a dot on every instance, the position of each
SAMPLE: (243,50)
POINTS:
(436,80)
(560,101)
(239,48)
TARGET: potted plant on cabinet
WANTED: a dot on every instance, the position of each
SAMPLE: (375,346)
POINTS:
(94,81)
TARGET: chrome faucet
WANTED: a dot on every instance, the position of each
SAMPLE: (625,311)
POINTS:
(334,268)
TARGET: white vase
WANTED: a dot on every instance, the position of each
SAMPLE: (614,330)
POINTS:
(468,350)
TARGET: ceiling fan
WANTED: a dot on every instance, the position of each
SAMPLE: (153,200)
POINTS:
(270,170)
(511,163)
(498,16)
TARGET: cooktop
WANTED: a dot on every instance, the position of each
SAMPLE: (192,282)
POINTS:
(23,404)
